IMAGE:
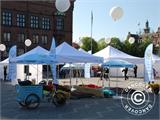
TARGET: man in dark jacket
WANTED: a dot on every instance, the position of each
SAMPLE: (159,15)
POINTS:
(125,73)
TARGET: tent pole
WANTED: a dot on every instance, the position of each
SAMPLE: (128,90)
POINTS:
(37,73)
(109,79)
(70,73)
(47,73)
(117,83)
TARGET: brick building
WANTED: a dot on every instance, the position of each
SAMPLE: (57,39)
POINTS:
(34,20)
(154,36)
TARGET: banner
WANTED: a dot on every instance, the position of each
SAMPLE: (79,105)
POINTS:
(148,67)
(12,74)
(53,55)
(87,70)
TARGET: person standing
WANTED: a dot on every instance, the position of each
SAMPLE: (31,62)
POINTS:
(135,71)
(5,72)
(154,73)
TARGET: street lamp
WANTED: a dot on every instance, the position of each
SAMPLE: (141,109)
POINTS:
(28,42)
(131,40)
(2,48)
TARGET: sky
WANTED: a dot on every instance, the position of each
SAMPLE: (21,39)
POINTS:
(134,12)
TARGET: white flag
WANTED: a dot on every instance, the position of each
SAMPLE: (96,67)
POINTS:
(53,55)
(148,67)
(12,74)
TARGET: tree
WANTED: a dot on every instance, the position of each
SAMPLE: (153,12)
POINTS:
(136,49)
(101,44)
(116,43)
(86,44)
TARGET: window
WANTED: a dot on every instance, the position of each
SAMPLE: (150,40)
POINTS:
(35,39)
(21,38)
(45,23)
(7,36)
(59,24)
(20,20)
(34,22)
(20,51)
(6,18)
(44,39)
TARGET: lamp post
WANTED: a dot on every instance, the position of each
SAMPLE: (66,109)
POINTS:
(27,44)
(2,48)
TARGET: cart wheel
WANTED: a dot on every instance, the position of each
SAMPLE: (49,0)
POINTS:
(59,99)
(22,104)
(32,101)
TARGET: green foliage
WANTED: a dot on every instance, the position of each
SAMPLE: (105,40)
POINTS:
(86,44)
(135,49)
(101,44)
(116,43)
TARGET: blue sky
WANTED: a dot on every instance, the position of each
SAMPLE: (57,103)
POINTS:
(135,11)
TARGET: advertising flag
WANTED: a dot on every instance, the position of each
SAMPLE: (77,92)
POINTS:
(12,74)
(53,55)
(148,67)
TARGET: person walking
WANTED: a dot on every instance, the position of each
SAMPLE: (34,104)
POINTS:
(125,70)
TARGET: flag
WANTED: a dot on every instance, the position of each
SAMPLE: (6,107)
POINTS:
(91,29)
(148,67)
(12,74)
(52,53)
(91,18)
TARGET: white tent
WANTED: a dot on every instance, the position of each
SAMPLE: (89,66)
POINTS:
(156,59)
(67,54)
(34,57)
(20,70)
(37,55)
(112,53)
(2,64)
(5,62)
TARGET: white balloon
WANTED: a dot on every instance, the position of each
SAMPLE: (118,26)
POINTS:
(116,13)
(62,5)
(28,42)
(131,40)
(108,40)
(2,47)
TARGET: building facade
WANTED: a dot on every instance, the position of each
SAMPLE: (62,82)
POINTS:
(38,21)
(154,36)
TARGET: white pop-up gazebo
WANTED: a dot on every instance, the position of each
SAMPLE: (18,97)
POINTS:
(112,53)
(156,59)
(67,54)
(35,58)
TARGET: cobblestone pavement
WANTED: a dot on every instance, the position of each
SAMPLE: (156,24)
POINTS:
(93,108)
